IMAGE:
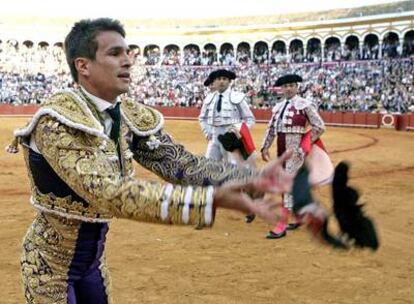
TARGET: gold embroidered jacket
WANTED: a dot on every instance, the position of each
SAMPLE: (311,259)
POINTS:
(70,137)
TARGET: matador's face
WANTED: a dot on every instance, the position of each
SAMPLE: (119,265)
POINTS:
(221,83)
(290,90)
(108,76)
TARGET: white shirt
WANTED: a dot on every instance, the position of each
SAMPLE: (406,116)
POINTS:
(225,98)
(101,106)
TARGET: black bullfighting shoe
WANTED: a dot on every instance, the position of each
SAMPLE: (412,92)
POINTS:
(274,235)
(250,218)
(293,226)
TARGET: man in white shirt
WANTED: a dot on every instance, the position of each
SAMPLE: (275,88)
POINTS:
(291,119)
(223,110)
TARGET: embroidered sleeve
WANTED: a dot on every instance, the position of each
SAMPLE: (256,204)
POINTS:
(316,122)
(173,163)
(270,133)
(82,163)
(246,114)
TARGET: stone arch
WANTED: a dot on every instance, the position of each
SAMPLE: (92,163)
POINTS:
(278,51)
(171,54)
(243,52)
(279,46)
(28,43)
(332,48)
(330,37)
(370,34)
(313,49)
(210,46)
(391,45)
(387,32)
(260,52)
(351,47)
(43,44)
(352,42)
(227,53)
(404,32)
(209,55)
(192,54)
(192,46)
(171,48)
(226,46)
(152,54)
(296,50)
(408,45)
(370,46)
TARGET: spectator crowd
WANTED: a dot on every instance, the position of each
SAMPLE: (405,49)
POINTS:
(343,82)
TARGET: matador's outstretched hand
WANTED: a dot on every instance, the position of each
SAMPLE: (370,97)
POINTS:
(272,179)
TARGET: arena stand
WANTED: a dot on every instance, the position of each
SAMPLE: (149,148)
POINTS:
(358,64)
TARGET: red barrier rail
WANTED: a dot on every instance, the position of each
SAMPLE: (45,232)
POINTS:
(342,119)
(24,110)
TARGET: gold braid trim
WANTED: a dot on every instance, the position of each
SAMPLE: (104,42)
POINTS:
(48,250)
(66,207)
(69,108)
(191,205)
(87,167)
(141,119)
(106,278)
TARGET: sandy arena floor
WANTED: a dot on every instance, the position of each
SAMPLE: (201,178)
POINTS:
(233,262)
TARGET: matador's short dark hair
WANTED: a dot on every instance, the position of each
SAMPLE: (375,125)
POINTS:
(81,40)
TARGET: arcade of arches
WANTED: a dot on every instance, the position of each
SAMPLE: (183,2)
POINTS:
(314,49)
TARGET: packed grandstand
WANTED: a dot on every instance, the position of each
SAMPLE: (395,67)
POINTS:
(359,60)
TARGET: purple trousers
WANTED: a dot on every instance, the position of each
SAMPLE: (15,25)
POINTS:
(85,279)
(63,262)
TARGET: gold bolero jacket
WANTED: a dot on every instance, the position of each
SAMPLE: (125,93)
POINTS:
(69,135)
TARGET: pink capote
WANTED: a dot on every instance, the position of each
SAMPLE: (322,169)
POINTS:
(318,161)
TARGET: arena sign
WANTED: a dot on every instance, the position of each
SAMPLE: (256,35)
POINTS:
(388,121)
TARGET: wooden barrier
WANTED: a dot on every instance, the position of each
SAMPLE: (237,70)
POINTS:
(350,119)
(24,110)
(341,119)
(410,125)
(406,122)
(179,112)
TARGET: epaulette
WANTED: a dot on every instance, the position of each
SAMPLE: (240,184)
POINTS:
(301,103)
(236,97)
(68,108)
(141,119)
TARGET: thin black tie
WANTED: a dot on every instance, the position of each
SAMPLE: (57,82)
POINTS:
(115,114)
(219,103)
(284,108)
